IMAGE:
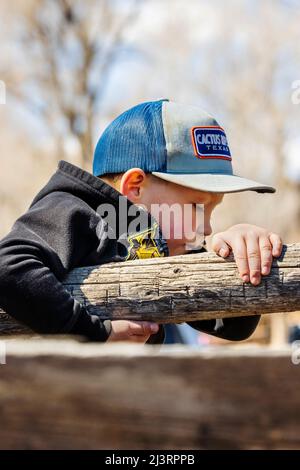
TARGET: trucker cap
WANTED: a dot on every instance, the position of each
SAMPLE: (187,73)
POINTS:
(173,141)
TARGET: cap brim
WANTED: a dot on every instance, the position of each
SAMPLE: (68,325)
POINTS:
(215,183)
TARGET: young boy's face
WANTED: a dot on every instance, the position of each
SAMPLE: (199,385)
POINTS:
(184,214)
(183,223)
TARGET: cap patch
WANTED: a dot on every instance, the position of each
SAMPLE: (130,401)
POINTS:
(210,142)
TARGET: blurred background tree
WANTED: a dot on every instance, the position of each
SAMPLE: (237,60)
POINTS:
(70,67)
(67,50)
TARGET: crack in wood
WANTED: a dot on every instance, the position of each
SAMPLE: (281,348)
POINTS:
(171,305)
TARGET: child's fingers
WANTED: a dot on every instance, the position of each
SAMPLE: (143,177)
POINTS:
(254,260)
(142,328)
(241,258)
(126,330)
(140,332)
(220,246)
(265,254)
(139,338)
(276,244)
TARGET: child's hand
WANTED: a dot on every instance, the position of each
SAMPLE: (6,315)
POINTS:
(136,331)
(253,248)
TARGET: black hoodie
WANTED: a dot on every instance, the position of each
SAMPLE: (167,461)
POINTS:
(61,230)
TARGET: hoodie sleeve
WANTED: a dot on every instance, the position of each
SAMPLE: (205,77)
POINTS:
(233,328)
(51,238)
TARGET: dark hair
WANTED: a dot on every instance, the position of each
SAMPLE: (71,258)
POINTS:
(113,177)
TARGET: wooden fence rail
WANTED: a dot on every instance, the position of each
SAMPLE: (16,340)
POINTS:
(181,288)
(65,395)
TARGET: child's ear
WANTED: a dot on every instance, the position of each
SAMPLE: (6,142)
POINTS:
(132,182)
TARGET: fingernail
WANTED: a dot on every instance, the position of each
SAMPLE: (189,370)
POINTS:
(264,270)
(154,328)
(222,252)
(245,278)
(255,280)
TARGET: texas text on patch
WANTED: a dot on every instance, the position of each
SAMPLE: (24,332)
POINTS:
(210,142)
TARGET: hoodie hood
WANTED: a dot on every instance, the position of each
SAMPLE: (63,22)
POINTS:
(147,242)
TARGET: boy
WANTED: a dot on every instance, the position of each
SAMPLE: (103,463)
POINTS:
(157,152)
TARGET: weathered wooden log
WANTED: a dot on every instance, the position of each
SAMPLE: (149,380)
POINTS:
(63,395)
(181,288)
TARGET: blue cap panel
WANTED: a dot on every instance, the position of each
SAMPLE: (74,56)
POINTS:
(134,139)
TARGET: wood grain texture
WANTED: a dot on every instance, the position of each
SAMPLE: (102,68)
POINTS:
(63,395)
(181,288)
